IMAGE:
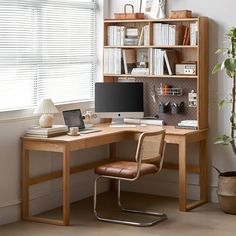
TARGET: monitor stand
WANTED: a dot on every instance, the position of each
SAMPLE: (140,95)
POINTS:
(119,123)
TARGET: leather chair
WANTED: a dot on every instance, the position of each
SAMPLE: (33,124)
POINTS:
(148,160)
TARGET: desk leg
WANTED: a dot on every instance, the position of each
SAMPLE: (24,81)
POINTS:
(203,170)
(66,186)
(25,184)
(182,175)
(112,152)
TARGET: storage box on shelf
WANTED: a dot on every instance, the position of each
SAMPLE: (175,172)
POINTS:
(151,48)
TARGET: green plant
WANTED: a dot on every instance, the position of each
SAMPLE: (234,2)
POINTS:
(229,66)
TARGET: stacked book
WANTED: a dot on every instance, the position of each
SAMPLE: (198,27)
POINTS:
(165,34)
(55,130)
(187,124)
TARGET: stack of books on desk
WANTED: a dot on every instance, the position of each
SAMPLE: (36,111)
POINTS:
(55,130)
(187,124)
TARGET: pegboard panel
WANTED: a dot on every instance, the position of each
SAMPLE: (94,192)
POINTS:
(151,108)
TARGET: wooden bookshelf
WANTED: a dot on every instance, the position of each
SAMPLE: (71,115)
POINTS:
(197,53)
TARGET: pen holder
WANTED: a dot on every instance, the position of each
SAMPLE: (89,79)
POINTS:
(164,107)
(177,108)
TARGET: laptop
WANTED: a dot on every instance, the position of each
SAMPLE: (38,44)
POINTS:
(74,118)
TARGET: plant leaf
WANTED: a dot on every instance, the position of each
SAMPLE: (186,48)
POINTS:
(225,140)
(216,68)
(221,50)
(221,104)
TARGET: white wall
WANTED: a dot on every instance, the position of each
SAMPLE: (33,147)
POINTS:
(221,18)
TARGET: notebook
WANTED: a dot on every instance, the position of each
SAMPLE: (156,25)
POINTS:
(74,118)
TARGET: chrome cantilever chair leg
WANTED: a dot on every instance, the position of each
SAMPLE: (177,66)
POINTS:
(161,216)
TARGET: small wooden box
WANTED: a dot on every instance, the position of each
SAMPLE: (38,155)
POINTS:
(129,16)
(177,14)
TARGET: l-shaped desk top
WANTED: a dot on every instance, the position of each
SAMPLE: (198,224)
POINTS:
(65,144)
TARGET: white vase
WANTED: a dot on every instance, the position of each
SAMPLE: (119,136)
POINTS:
(161,9)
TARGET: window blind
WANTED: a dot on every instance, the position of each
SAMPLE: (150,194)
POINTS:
(47,49)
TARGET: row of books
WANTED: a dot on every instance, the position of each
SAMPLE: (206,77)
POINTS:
(113,63)
(120,36)
(115,35)
(171,35)
(55,130)
(125,61)
(163,61)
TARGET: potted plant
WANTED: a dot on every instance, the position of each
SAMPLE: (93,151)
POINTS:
(227,180)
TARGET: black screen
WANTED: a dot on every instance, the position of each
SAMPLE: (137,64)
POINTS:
(73,118)
(119,97)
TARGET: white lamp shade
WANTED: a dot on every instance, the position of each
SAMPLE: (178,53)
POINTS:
(46,106)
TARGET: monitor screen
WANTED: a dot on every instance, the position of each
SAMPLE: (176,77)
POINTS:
(119,100)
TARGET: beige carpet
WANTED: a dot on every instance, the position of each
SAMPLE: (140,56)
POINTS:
(207,220)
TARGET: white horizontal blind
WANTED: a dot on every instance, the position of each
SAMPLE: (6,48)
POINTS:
(47,49)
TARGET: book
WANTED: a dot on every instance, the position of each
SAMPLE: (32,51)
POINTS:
(45,135)
(141,37)
(193,33)
(186,36)
(129,59)
(171,59)
(55,130)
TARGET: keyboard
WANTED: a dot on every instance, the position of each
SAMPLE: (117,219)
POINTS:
(123,126)
(88,131)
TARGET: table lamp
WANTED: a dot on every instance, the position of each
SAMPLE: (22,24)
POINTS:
(47,109)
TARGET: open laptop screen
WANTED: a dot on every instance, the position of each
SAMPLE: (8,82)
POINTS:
(73,118)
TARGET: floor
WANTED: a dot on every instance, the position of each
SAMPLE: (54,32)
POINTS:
(207,220)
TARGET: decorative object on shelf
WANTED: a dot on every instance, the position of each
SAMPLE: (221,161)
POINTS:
(187,68)
(129,16)
(227,180)
(155,9)
(178,14)
(47,109)
(192,99)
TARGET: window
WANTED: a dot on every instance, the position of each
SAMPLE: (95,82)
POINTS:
(47,49)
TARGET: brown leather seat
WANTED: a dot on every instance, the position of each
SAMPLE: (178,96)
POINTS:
(125,169)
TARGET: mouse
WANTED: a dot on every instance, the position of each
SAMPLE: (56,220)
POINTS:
(143,125)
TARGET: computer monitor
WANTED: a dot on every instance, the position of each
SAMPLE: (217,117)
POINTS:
(119,100)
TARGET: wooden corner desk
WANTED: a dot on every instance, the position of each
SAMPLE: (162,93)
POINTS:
(65,144)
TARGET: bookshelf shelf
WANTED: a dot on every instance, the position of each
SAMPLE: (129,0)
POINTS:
(153,46)
(151,20)
(175,41)
(153,76)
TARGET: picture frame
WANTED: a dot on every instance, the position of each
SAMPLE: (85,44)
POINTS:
(153,9)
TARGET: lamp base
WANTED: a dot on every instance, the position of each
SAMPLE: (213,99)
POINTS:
(46,120)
